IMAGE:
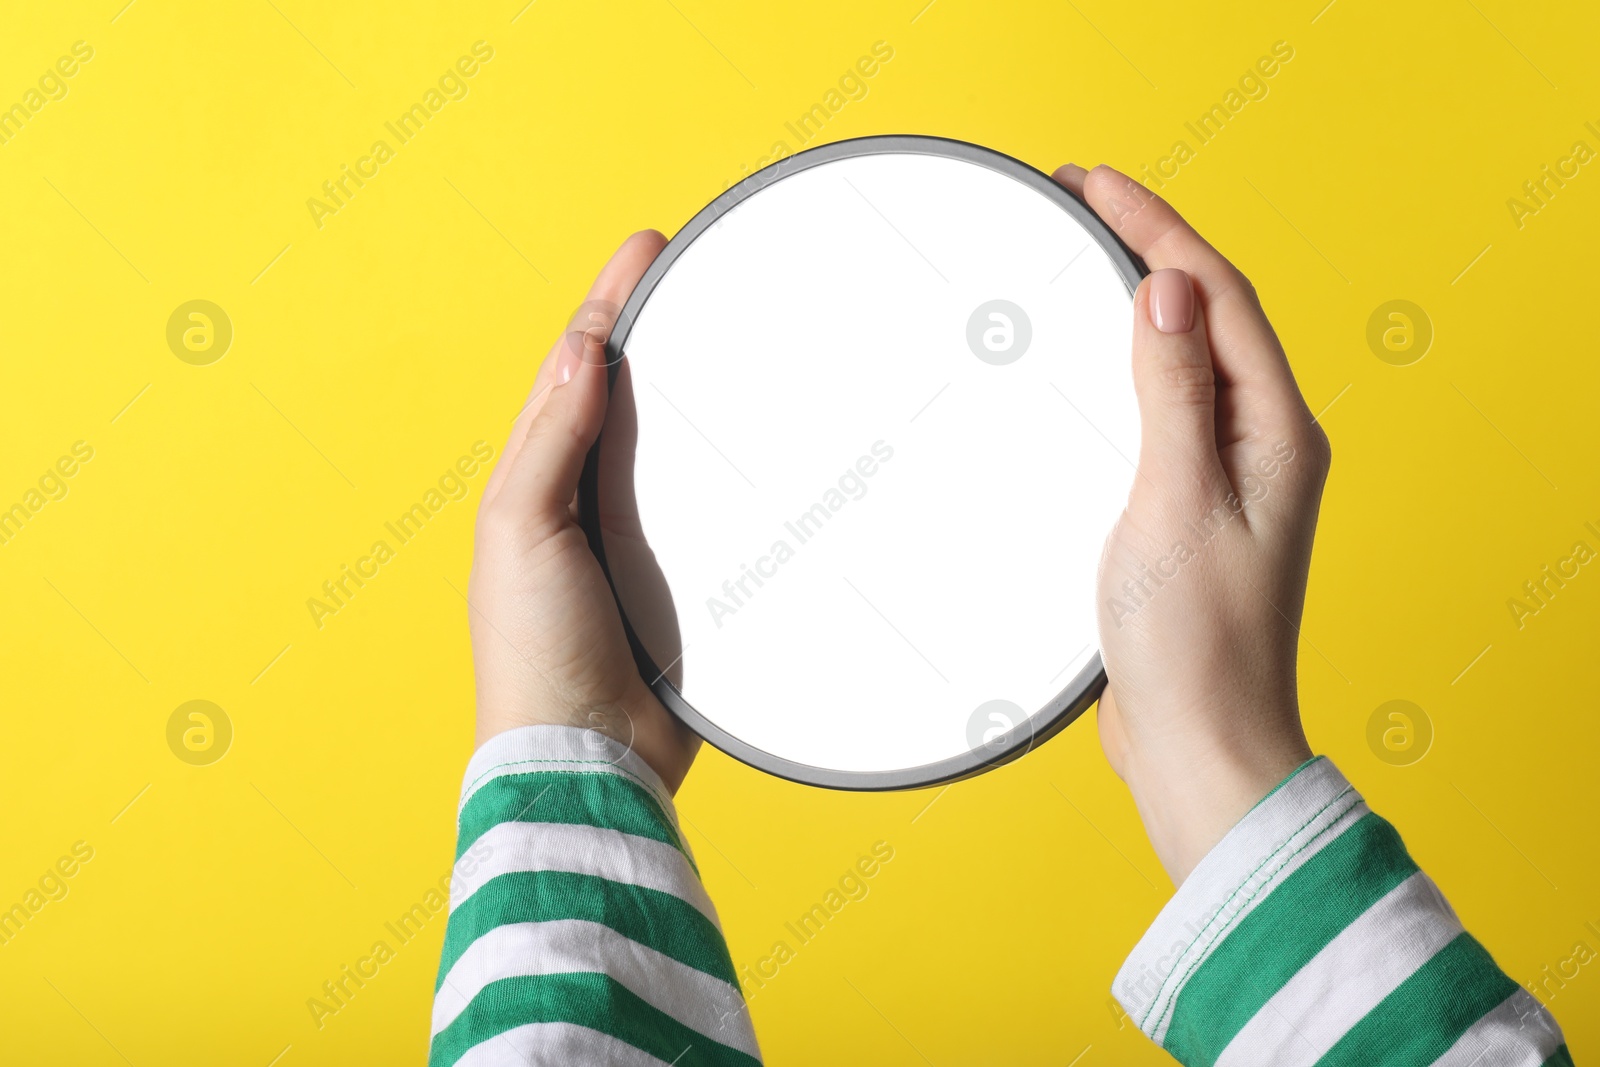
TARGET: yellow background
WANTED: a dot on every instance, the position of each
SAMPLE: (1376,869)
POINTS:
(375,350)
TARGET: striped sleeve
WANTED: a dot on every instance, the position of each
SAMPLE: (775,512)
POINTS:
(579,930)
(1308,936)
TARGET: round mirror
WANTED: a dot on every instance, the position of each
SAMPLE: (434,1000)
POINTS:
(872,417)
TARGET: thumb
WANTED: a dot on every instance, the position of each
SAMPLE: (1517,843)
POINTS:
(1175,381)
(544,476)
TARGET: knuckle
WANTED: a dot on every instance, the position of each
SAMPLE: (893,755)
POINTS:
(1312,449)
(1321,449)
(1189,383)
(554,427)
(1314,439)
(1237,288)
(496,525)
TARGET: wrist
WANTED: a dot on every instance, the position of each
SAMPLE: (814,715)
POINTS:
(636,722)
(1192,789)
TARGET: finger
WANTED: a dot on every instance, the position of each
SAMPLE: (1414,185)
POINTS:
(543,477)
(650,608)
(519,433)
(613,286)
(1176,385)
(1072,176)
(1248,357)
(619,510)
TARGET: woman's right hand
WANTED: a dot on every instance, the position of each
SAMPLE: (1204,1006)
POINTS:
(1203,578)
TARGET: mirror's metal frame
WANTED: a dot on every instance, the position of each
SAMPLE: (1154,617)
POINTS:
(1078,695)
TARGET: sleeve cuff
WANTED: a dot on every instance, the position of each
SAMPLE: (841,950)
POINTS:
(579,928)
(563,748)
(1273,840)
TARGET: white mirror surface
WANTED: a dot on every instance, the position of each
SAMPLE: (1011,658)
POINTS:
(884,421)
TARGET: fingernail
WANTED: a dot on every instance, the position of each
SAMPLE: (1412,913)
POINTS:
(567,364)
(1070,170)
(1171,301)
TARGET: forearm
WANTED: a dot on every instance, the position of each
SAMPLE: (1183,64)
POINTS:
(1308,935)
(579,930)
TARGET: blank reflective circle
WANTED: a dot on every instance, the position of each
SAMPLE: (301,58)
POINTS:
(874,420)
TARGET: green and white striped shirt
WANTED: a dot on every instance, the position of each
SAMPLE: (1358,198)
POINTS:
(580,933)
(1308,936)
(579,930)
